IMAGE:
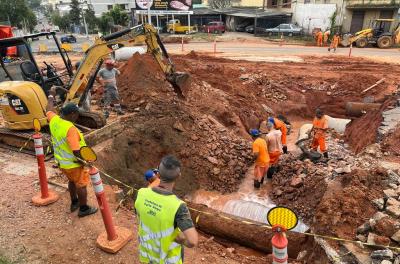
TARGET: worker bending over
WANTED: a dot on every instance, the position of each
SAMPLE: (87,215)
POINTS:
(274,148)
(320,126)
(280,125)
(261,157)
(164,220)
(107,78)
(152,177)
(319,36)
(67,141)
(335,42)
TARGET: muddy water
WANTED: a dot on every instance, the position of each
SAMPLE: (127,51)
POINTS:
(248,202)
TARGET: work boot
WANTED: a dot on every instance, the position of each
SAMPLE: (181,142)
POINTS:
(262,180)
(74,206)
(326,155)
(87,211)
(257,184)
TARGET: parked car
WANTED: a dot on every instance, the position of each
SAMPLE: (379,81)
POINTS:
(242,27)
(286,29)
(250,29)
(214,27)
(68,39)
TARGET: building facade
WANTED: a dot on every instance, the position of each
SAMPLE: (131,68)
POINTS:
(360,14)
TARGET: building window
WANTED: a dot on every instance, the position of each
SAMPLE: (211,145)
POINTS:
(307,1)
(109,7)
(272,3)
(197,2)
(123,6)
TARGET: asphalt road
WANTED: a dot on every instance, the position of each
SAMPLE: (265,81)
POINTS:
(251,49)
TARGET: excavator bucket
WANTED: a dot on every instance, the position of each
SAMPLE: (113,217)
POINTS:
(181,82)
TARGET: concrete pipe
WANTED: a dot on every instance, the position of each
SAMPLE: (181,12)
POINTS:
(126,53)
(355,109)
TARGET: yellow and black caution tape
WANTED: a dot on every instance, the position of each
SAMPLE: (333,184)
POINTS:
(132,190)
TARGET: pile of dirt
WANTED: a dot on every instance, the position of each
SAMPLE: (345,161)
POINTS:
(299,186)
(363,131)
(348,202)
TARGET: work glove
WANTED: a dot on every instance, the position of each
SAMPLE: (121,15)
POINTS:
(284,149)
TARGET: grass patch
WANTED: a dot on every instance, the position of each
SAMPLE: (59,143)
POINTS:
(4,260)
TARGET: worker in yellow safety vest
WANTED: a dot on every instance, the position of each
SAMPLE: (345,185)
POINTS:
(164,220)
(67,141)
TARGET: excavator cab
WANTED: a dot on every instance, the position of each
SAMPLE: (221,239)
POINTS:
(24,85)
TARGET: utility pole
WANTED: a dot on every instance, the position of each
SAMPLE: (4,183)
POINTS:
(148,11)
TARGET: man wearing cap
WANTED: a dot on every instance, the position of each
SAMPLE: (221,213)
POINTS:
(280,125)
(107,78)
(164,220)
(152,177)
(67,141)
(261,157)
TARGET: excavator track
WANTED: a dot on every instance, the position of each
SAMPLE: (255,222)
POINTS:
(22,141)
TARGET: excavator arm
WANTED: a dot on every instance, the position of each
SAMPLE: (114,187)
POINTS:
(129,37)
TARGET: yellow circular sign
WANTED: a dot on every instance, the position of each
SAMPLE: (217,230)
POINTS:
(282,216)
(88,154)
(36,125)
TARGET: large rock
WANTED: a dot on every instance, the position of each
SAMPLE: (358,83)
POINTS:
(390,193)
(396,236)
(386,227)
(374,239)
(364,228)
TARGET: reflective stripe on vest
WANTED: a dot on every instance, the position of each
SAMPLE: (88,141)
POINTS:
(156,213)
(62,152)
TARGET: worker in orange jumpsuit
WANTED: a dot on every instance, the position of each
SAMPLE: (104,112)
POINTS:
(327,33)
(274,143)
(335,42)
(280,125)
(319,36)
(320,126)
(261,157)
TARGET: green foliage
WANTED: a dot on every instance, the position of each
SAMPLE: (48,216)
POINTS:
(34,4)
(105,23)
(75,12)
(63,22)
(118,16)
(91,20)
(17,12)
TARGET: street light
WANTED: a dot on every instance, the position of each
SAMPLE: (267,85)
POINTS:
(148,11)
(84,19)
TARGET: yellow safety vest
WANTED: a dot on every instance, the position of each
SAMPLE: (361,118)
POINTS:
(62,152)
(157,233)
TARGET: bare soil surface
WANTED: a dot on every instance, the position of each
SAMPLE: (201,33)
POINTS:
(52,234)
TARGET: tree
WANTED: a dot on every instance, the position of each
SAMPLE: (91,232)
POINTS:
(75,12)
(104,23)
(34,4)
(18,13)
(118,16)
(63,22)
(91,20)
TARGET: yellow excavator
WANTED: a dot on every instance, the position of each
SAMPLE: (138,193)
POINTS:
(376,35)
(24,86)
